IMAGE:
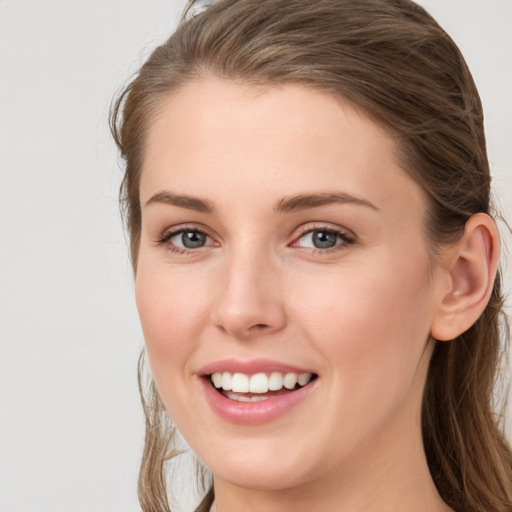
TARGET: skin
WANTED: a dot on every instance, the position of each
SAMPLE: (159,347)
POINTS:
(359,315)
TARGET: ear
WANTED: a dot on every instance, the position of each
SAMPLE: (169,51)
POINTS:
(472,264)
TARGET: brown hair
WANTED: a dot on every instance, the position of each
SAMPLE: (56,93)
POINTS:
(393,60)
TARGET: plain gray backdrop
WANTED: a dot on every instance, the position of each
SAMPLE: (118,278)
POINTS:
(71,429)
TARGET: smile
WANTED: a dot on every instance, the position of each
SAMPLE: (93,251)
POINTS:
(239,385)
(256,397)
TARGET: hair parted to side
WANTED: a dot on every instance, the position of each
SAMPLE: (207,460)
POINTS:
(392,60)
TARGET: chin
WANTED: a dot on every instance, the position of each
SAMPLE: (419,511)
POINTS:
(261,478)
(261,468)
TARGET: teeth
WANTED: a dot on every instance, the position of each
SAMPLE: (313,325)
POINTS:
(217,380)
(226,381)
(243,398)
(240,383)
(289,381)
(275,382)
(259,382)
(303,379)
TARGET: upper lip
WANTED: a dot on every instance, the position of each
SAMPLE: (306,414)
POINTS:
(251,367)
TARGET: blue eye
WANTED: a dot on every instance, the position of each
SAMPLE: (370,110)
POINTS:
(185,239)
(190,239)
(323,239)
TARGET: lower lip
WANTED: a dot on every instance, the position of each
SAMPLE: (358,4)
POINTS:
(253,413)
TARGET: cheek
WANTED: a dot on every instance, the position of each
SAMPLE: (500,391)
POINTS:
(371,323)
(171,312)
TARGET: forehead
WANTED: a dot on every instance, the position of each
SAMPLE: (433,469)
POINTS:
(215,136)
(294,112)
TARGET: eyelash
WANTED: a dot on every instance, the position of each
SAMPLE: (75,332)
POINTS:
(346,238)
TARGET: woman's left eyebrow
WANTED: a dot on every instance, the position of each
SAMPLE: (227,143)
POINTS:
(306,201)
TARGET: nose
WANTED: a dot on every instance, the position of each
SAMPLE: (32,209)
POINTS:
(249,302)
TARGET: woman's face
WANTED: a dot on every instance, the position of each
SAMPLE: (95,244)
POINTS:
(280,237)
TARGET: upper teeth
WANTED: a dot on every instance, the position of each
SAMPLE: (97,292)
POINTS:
(259,382)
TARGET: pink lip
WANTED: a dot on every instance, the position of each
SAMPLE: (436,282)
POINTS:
(252,413)
(251,367)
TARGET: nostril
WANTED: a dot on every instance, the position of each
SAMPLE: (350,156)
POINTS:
(259,327)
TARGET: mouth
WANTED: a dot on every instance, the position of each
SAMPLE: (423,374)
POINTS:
(241,387)
(257,391)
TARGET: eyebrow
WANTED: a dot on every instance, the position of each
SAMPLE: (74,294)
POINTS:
(182,201)
(287,204)
(306,201)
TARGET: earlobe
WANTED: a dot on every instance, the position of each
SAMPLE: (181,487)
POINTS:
(472,265)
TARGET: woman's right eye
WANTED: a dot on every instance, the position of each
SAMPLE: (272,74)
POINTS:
(185,240)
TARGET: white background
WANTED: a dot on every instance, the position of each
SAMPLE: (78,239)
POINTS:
(71,428)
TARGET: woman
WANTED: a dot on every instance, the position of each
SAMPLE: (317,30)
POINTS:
(307,197)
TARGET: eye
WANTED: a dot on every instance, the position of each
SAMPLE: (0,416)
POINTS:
(323,239)
(320,239)
(184,239)
(189,239)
